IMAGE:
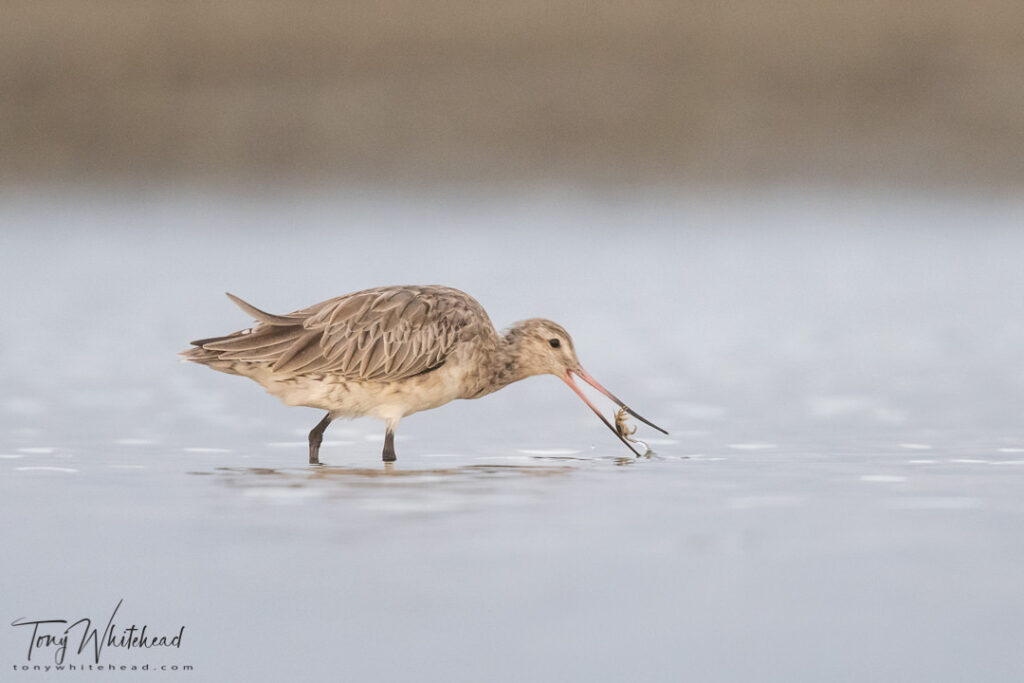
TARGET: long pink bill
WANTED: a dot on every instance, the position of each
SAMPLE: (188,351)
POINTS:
(585,376)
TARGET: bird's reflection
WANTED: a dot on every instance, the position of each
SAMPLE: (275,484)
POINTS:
(322,474)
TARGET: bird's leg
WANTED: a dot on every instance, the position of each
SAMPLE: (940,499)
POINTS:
(389,445)
(316,437)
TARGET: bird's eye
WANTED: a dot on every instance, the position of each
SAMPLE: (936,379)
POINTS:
(554,343)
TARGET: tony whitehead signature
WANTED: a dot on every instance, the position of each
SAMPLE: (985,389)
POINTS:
(54,635)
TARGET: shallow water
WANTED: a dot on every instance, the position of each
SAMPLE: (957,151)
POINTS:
(839,497)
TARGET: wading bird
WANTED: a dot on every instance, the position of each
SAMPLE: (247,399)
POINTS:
(389,352)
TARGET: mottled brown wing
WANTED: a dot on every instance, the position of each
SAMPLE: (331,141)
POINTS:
(386,333)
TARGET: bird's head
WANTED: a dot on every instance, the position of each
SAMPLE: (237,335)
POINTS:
(544,347)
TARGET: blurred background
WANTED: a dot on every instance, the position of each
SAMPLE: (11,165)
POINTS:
(788,232)
(915,92)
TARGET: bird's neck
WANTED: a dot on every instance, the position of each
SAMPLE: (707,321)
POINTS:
(506,364)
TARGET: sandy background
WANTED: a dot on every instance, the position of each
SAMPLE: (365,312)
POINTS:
(917,92)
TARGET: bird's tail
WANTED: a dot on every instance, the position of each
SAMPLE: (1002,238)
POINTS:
(214,357)
(208,357)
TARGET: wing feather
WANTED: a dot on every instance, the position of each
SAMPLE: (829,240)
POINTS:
(260,338)
(304,349)
(382,334)
(269,352)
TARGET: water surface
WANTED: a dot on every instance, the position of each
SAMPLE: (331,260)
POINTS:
(839,497)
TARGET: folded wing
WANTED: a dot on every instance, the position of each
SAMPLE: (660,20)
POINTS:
(387,333)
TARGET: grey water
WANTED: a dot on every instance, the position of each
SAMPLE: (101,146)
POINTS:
(839,497)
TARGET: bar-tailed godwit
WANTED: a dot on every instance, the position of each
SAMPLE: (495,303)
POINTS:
(390,352)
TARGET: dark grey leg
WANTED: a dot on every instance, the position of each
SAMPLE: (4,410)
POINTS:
(316,437)
(389,446)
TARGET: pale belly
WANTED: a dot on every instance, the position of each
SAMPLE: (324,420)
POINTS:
(346,398)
